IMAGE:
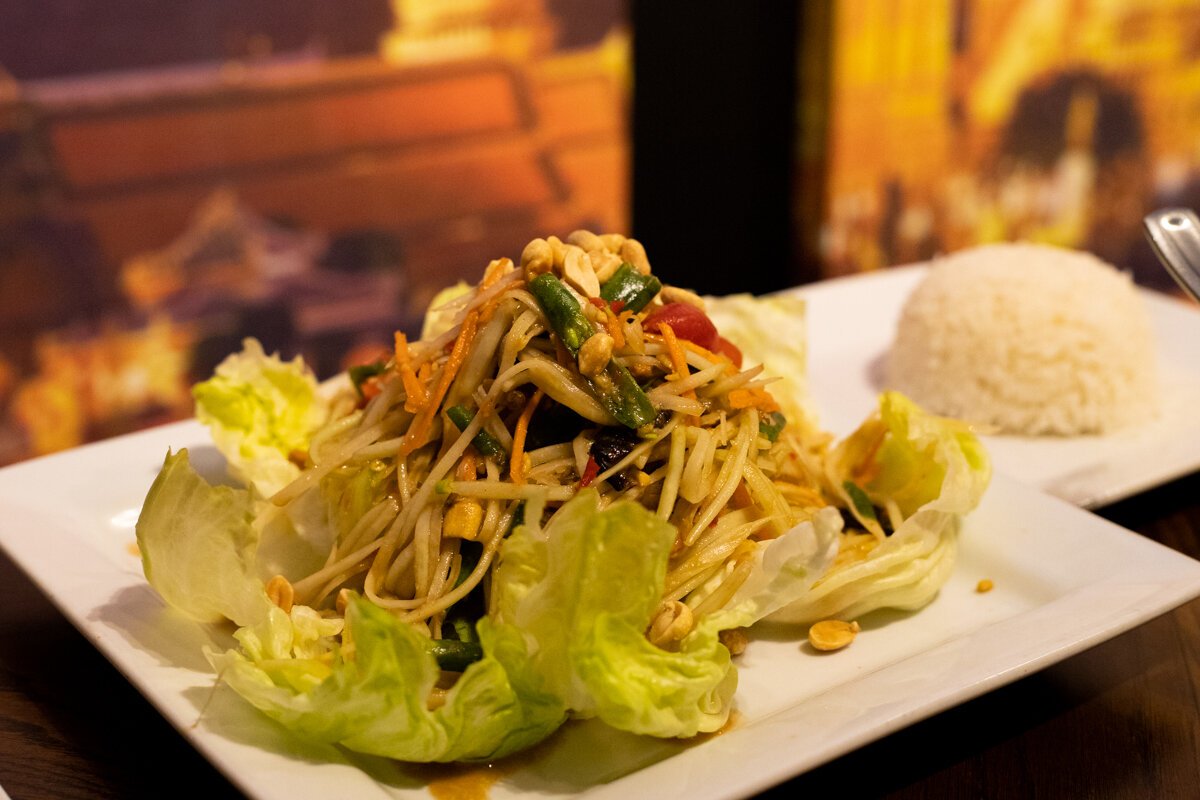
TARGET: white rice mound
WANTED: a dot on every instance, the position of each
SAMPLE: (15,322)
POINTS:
(1027,339)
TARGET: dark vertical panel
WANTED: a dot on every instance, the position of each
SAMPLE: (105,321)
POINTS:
(714,133)
(810,170)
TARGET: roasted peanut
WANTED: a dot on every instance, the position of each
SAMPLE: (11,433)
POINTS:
(735,640)
(633,252)
(832,634)
(612,241)
(672,622)
(585,239)
(595,354)
(577,269)
(536,258)
(604,263)
(280,592)
(558,249)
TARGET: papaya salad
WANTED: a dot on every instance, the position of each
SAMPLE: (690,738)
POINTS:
(569,498)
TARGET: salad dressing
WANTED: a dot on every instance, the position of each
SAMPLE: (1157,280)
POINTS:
(471,783)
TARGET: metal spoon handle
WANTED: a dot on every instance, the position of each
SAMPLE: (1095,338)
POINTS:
(1175,235)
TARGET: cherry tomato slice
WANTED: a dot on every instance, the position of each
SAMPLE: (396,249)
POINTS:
(724,347)
(687,321)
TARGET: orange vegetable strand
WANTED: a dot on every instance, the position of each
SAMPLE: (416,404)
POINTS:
(516,469)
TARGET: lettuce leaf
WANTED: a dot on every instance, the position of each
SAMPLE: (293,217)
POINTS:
(198,546)
(582,592)
(438,320)
(259,410)
(786,568)
(934,470)
(373,696)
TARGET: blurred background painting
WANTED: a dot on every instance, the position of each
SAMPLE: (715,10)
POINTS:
(951,123)
(175,176)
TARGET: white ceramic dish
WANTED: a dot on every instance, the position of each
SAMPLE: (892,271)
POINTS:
(850,326)
(1064,580)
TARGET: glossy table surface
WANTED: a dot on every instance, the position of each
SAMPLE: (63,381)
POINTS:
(1119,720)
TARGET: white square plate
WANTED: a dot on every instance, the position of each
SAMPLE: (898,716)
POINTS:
(850,325)
(1064,580)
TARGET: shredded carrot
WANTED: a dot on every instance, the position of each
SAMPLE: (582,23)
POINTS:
(612,324)
(414,391)
(756,397)
(495,271)
(418,433)
(678,359)
(370,388)
(614,327)
(687,344)
(516,468)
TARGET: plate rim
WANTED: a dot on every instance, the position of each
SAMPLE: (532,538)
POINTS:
(1161,560)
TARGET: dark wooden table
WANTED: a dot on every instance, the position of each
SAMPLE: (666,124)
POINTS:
(1121,720)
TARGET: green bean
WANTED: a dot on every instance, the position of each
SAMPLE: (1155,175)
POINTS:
(487,444)
(625,401)
(453,655)
(615,388)
(633,289)
(563,311)
(465,629)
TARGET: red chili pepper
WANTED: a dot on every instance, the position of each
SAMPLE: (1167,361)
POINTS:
(601,303)
(589,473)
(688,322)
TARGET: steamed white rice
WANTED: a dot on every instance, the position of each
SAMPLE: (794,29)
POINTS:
(1027,339)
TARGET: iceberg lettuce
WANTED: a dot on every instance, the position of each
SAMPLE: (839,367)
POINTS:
(770,331)
(582,592)
(932,471)
(198,546)
(574,602)
(259,410)
(439,319)
(786,568)
(373,695)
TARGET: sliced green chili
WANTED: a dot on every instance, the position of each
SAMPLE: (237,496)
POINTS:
(862,503)
(772,425)
(360,372)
